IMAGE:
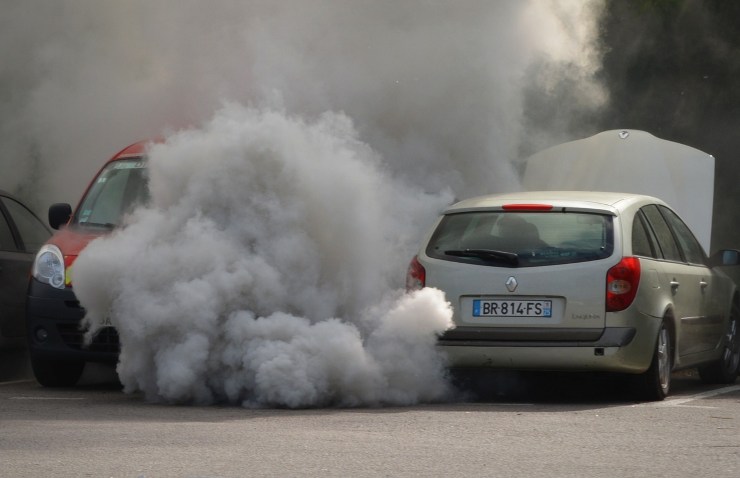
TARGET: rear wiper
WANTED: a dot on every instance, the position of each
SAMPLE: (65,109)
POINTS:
(509,258)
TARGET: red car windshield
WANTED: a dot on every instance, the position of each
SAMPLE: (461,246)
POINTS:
(118,189)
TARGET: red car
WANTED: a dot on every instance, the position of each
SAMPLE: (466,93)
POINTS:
(53,313)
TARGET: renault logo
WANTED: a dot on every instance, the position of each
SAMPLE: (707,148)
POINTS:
(511,284)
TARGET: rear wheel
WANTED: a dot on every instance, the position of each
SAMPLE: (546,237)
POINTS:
(725,369)
(57,373)
(655,383)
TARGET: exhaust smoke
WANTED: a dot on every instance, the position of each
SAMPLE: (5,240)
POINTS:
(263,270)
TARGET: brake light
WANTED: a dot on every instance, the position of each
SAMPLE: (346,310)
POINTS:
(527,207)
(416,276)
(622,281)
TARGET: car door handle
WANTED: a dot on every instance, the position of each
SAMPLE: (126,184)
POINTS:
(675,284)
(703,284)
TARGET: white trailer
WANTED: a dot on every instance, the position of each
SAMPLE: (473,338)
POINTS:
(631,161)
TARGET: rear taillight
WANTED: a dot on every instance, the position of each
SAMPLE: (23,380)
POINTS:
(416,276)
(621,284)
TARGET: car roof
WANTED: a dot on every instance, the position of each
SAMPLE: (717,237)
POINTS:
(574,200)
(135,150)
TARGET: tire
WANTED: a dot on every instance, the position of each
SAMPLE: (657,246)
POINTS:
(655,383)
(725,369)
(57,373)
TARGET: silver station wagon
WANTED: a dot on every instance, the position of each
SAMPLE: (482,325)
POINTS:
(581,281)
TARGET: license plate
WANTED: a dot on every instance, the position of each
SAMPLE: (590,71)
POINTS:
(512,308)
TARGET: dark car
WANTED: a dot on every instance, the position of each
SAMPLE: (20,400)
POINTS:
(56,343)
(22,233)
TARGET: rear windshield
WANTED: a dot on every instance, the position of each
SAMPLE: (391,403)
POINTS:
(507,239)
(118,189)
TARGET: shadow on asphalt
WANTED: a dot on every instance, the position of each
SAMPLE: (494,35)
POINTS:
(554,387)
(15,365)
(476,386)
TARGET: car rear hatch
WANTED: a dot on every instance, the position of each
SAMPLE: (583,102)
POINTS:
(523,275)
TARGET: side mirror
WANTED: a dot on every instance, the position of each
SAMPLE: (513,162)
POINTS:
(59,214)
(726,257)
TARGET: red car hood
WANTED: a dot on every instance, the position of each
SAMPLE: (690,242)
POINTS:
(70,241)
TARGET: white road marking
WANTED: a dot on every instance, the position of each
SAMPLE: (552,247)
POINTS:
(711,393)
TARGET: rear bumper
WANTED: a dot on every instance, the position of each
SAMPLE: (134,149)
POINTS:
(53,324)
(617,349)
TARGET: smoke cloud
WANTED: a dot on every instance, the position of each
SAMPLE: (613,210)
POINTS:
(437,88)
(263,271)
(308,146)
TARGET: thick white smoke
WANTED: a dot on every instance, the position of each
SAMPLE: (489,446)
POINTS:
(315,141)
(264,268)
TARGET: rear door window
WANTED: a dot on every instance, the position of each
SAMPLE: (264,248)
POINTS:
(691,248)
(667,243)
(523,239)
